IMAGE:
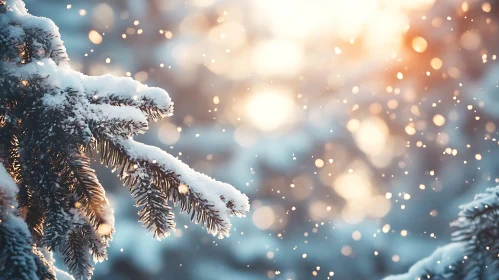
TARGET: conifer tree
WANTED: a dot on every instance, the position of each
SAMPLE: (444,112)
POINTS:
(474,253)
(53,121)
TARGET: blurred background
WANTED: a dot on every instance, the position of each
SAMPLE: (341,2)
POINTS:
(355,127)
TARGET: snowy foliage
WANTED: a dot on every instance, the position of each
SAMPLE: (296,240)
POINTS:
(439,264)
(19,257)
(52,118)
(474,252)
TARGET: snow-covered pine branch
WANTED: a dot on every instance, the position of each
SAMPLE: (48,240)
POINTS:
(52,118)
(474,253)
(20,258)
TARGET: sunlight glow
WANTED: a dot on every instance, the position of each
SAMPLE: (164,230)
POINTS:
(372,136)
(277,57)
(353,186)
(381,23)
(269,109)
(264,217)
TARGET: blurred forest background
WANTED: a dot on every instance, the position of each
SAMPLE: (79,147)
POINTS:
(356,128)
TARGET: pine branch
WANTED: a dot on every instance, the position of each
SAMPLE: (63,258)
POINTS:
(211,208)
(83,246)
(9,146)
(91,195)
(56,219)
(156,215)
(17,260)
(25,36)
(123,121)
(77,257)
(56,227)
(32,206)
(45,269)
(444,263)
(150,101)
(477,227)
(50,115)
(474,251)
(98,241)
(477,219)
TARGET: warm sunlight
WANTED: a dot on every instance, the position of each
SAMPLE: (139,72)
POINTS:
(270,108)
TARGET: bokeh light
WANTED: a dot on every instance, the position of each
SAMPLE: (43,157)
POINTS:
(270,108)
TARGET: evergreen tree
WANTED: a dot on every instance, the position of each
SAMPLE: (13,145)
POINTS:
(473,253)
(52,119)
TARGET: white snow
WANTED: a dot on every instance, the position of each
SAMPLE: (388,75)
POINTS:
(101,103)
(105,86)
(201,184)
(62,275)
(8,190)
(21,17)
(481,202)
(88,88)
(437,263)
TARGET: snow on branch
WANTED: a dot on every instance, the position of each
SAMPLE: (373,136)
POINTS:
(8,192)
(474,249)
(30,36)
(52,119)
(441,263)
(478,219)
(18,257)
(209,202)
